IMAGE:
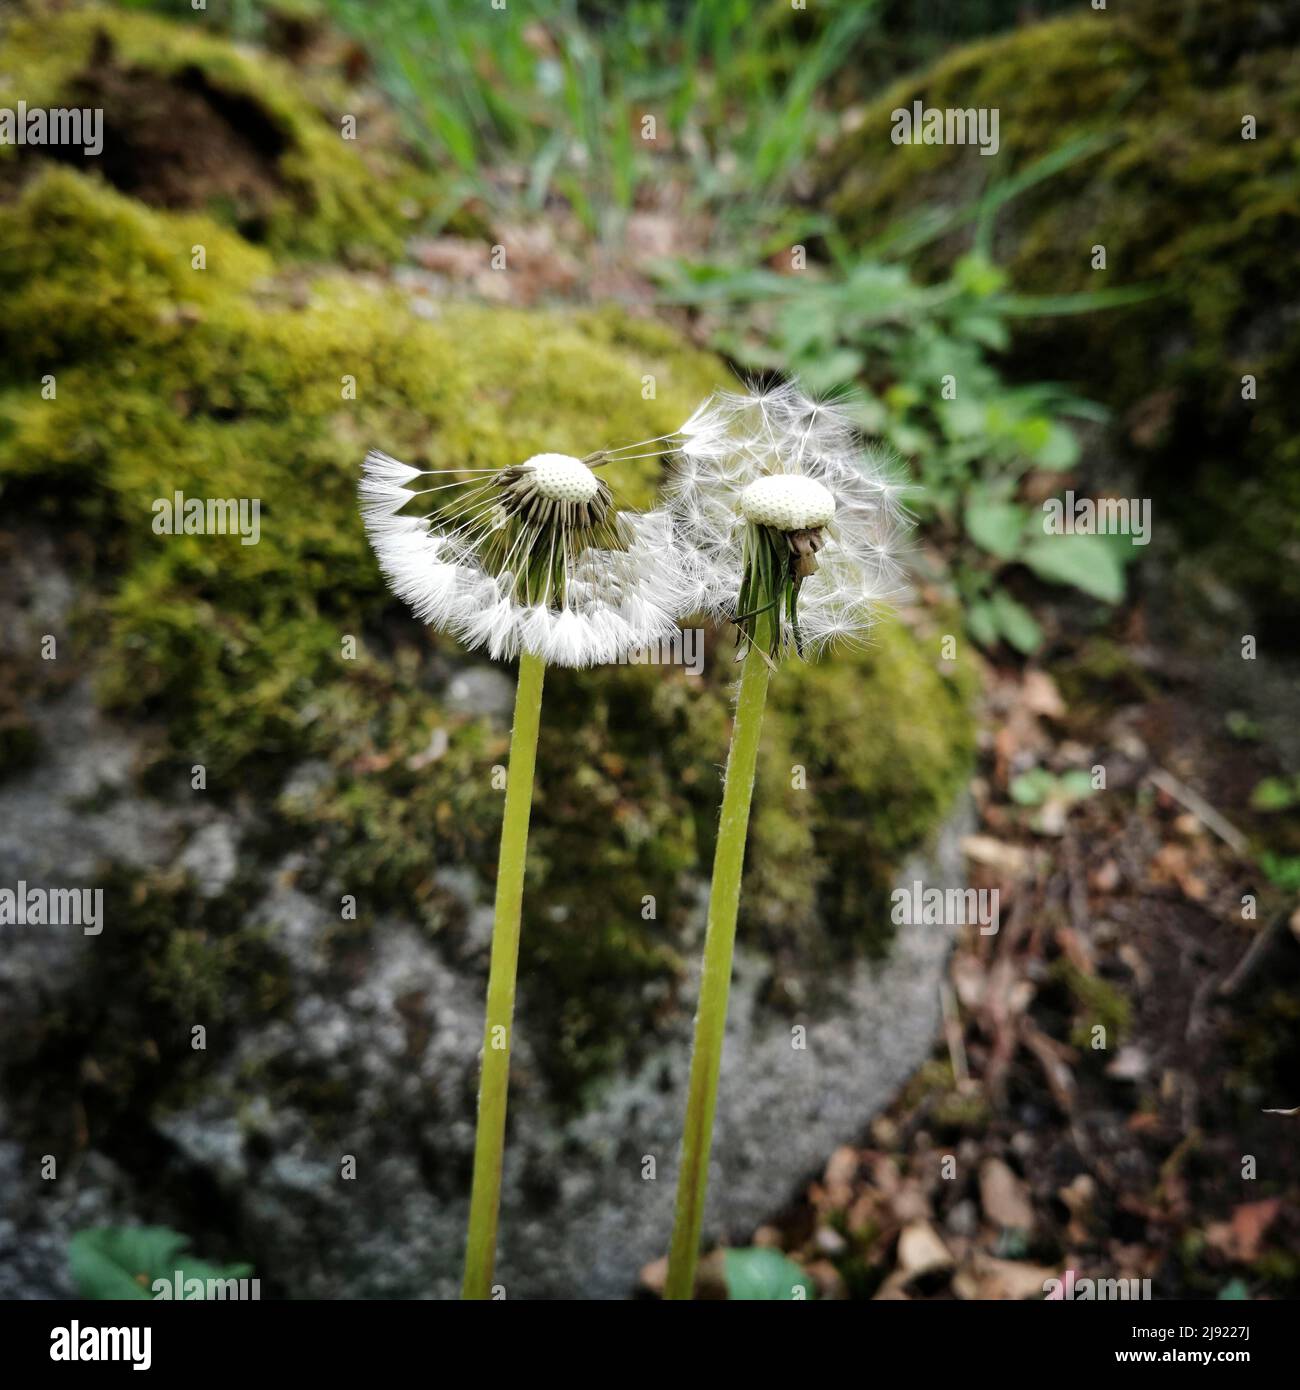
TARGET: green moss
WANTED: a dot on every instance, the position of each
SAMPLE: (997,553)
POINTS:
(85,272)
(1179,199)
(863,755)
(244,396)
(1098,1003)
(261,150)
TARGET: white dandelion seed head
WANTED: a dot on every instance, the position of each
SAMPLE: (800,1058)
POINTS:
(787,502)
(534,558)
(562,478)
(777,462)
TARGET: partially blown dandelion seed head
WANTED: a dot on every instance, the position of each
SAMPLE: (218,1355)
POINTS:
(786,524)
(531,558)
(787,502)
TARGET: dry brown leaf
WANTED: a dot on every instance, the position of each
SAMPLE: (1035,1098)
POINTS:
(1011,859)
(1004,1196)
(920,1250)
(1239,1239)
(910,1203)
(841,1172)
(987,1277)
(1039,693)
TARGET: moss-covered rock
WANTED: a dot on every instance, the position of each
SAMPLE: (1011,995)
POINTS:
(191,121)
(235,382)
(1180,200)
(131,369)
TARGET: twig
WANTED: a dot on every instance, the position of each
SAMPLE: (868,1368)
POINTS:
(1200,808)
(952,1031)
(1260,945)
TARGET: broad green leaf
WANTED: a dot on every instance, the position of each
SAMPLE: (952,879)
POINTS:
(1075,784)
(1016,623)
(1282,870)
(758,1273)
(982,619)
(984,329)
(1060,451)
(123,1262)
(994,525)
(827,371)
(1032,788)
(978,276)
(1087,562)
(1274,794)
(962,418)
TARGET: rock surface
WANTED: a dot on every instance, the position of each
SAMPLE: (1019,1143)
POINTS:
(393,1046)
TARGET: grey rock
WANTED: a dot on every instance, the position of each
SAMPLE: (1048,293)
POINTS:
(399,1045)
(210,857)
(481,690)
(374,1058)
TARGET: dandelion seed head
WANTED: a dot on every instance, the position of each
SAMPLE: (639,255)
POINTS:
(533,558)
(782,515)
(787,502)
(562,478)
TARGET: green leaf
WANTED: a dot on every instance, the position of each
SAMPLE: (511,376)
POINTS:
(123,1262)
(826,372)
(1032,788)
(1282,871)
(1060,450)
(1016,623)
(1274,794)
(995,526)
(978,276)
(1075,784)
(760,1273)
(984,329)
(1240,725)
(1085,302)
(1234,1291)
(1087,562)
(982,619)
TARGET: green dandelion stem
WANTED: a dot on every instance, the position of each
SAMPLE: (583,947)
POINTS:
(715,982)
(489,1141)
